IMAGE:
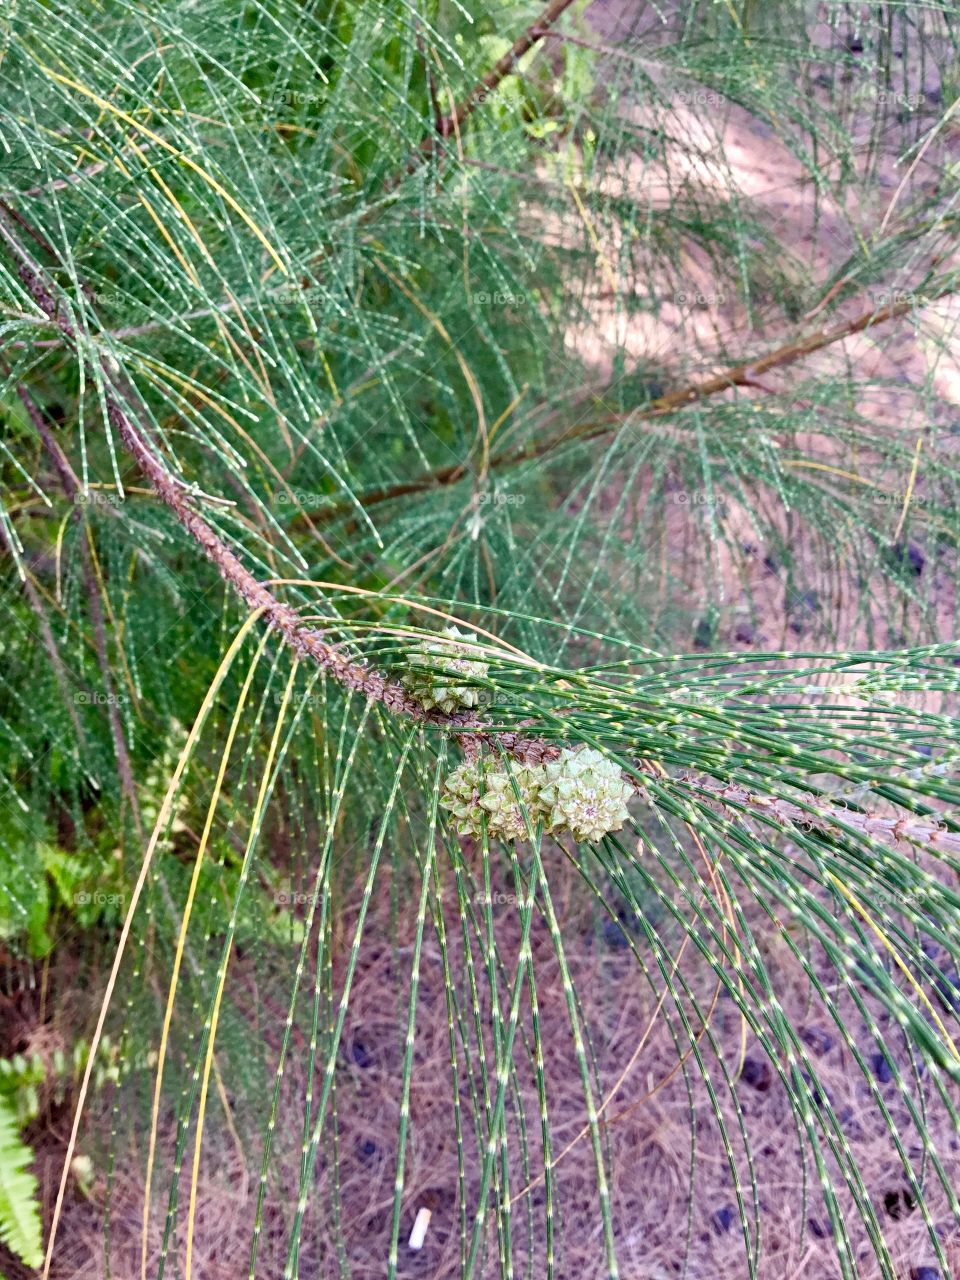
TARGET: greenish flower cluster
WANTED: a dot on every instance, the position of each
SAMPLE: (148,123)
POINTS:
(438,669)
(582,792)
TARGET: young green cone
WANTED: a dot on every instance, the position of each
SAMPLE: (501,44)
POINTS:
(584,793)
(461,797)
(474,791)
(505,816)
(437,668)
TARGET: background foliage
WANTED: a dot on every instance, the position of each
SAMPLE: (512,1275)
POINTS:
(413,362)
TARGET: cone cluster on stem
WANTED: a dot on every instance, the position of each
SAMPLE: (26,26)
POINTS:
(441,673)
(582,792)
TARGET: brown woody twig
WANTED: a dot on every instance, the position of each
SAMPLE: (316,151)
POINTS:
(449,125)
(830,819)
(745,374)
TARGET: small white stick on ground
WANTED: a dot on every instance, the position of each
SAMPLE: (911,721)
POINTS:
(419,1232)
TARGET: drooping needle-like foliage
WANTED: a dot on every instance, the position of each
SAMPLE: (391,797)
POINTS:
(441,481)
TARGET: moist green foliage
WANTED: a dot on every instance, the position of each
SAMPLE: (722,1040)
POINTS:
(20,1227)
(418,367)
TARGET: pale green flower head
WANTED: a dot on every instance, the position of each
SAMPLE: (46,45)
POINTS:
(436,670)
(474,791)
(585,793)
(461,797)
(505,817)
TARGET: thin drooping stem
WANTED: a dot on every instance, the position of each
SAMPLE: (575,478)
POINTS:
(72,489)
(46,636)
(744,374)
(112,700)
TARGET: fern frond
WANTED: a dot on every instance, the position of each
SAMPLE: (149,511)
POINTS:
(20,1227)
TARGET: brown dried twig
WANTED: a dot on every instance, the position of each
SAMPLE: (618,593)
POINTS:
(746,374)
(830,819)
(449,125)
